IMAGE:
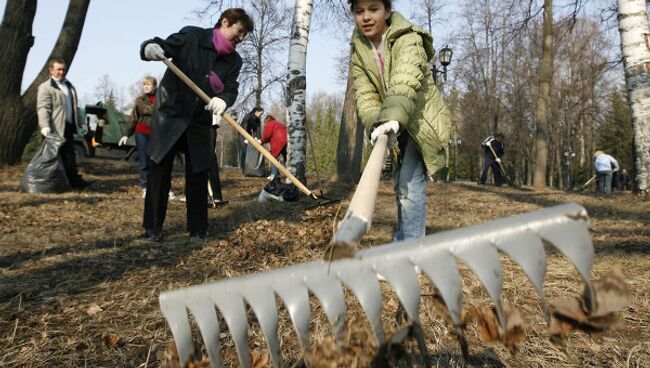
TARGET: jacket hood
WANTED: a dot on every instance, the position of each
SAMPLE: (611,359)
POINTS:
(398,27)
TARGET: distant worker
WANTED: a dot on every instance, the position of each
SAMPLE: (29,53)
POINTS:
(275,133)
(56,106)
(140,125)
(604,165)
(493,145)
(251,124)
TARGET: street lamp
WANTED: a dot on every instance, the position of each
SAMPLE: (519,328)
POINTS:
(445,59)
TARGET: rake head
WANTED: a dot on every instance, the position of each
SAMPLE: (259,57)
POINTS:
(520,237)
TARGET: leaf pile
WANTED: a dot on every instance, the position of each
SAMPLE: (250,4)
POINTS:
(568,314)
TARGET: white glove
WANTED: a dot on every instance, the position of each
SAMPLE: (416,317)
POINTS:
(45,131)
(122,141)
(498,160)
(216,105)
(153,51)
(389,127)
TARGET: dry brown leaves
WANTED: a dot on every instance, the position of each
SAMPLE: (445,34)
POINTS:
(568,314)
(490,330)
(259,360)
(171,359)
(261,239)
(112,340)
(328,355)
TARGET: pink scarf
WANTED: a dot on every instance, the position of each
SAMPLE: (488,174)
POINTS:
(222,46)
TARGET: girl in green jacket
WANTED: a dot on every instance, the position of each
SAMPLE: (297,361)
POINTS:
(396,95)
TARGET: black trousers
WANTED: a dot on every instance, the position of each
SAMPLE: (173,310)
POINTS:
(488,163)
(196,192)
(67,154)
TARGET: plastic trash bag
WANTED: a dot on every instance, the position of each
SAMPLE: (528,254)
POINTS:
(277,191)
(254,164)
(46,173)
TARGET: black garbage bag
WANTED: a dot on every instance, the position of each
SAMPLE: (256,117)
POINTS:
(45,173)
(277,191)
(254,163)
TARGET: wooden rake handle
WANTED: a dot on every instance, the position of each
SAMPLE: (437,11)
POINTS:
(251,140)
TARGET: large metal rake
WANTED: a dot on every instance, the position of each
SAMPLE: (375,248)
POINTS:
(521,238)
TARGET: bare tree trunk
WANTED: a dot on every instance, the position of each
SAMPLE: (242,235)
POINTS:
(18,113)
(541,103)
(296,89)
(349,151)
(635,46)
(17,39)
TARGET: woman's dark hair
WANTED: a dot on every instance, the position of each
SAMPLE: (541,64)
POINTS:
(234,15)
(388,4)
(256,109)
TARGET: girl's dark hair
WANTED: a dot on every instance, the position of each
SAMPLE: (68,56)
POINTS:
(256,109)
(268,117)
(388,4)
(234,15)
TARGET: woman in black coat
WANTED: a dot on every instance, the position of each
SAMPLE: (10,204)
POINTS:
(252,124)
(181,121)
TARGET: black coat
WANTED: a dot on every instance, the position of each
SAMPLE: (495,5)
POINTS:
(251,124)
(177,108)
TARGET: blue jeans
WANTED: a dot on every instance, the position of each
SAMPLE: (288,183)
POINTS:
(604,182)
(142,144)
(282,157)
(410,179)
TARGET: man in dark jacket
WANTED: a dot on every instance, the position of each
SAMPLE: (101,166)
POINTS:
(491,145)
(180,120)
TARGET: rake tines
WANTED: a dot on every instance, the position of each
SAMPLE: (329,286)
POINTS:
(520,237)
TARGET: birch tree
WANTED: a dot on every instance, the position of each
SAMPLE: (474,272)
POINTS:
(18,112)
(296,89)
(635,46)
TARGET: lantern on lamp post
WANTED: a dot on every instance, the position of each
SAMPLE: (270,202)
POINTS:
(445,59)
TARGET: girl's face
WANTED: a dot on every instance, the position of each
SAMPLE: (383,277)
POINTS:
(148,87)
(370,17)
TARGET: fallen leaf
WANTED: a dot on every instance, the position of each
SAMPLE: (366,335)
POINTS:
(611,295)
(300,252)
(487,323)
(94,309)
(112,340)
(515,333)
(490,330)
(259,360)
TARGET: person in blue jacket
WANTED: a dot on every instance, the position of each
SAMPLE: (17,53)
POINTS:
(605,165)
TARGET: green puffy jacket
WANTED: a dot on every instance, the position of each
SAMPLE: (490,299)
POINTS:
(410,95)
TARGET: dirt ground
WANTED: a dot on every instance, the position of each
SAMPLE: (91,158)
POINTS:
(79,286)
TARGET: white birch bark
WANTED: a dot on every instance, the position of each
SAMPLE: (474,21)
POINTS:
(296,89)
(635,46)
